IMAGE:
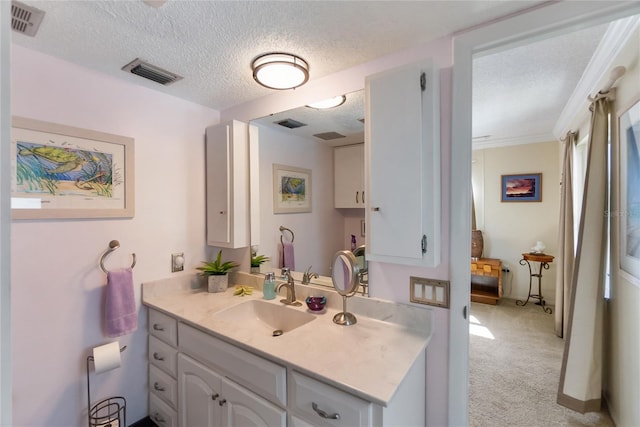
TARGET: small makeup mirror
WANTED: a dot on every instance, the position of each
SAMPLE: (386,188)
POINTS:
(344,275)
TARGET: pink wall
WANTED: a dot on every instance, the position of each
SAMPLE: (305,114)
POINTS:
(56,283)
(57,286)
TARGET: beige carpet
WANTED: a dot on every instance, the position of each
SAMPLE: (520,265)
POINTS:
(514,369)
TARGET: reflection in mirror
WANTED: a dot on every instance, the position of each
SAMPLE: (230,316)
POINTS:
(363,270)
(325,230)
(345,281)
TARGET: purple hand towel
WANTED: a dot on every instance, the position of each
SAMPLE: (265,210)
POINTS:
(288,259)
(120,304)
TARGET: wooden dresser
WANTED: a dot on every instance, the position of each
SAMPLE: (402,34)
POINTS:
(486,280)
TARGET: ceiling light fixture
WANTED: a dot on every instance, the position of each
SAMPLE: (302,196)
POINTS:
(325,104)
(280,71)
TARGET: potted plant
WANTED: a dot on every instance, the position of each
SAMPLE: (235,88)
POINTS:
(256,261)
(216,273)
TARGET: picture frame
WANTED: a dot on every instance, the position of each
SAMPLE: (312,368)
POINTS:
(291,189)
(64,172)
(629,209)
(521,188)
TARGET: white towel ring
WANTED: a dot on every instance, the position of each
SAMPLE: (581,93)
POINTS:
(113,245)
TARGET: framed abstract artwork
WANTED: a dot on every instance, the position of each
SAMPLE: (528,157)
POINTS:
(291,189)
(629,213)
(61,172)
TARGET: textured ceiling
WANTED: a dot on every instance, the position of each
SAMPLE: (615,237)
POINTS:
(212,43)
(518,93)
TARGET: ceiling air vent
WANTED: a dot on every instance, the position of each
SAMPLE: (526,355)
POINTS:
(151,72)
(328,136)
(25,19)
(290,123)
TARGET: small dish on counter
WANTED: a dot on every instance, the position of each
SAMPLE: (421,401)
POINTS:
(316,304)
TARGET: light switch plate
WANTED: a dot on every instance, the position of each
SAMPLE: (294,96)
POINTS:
(429,291)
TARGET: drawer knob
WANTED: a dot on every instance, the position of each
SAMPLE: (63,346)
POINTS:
(157,327)
(323,414)
(215,396)
(157,356)
(158,419)
(158,387)
(222,402)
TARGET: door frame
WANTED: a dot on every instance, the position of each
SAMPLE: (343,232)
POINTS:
(536,24)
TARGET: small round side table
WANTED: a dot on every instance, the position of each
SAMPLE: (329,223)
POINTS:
(544,260)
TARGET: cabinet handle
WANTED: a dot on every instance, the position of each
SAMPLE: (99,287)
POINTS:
(215,396)
(157,327)
(158,419)
(357,193)
(222,402)
(158,356)
(376,209)
(158,387)
(362,196)
(222,212)
(323,414)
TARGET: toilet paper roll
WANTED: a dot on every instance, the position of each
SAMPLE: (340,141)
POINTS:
(106,357)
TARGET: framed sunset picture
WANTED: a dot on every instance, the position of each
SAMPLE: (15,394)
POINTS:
(522,188)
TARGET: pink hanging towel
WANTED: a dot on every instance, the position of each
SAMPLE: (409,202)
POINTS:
(288,258)
(120,304)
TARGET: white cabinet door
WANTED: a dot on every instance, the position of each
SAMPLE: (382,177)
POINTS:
(348,182)
(199,390)
(244,408)
(403,168)
(228,185)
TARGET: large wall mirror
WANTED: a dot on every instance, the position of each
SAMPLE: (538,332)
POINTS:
(305,138)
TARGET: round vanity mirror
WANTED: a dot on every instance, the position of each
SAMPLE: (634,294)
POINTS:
(344,274)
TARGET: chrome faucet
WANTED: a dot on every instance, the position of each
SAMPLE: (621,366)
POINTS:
(291,292)
(308,275)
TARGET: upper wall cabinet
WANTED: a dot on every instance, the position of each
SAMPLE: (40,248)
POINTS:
(402,144)
(348,182)
(228,185)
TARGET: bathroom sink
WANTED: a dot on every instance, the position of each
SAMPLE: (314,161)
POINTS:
(262,315)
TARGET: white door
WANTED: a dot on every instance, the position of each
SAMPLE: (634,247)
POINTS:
(561,16)
(242,407)
(219,183)
(199,394)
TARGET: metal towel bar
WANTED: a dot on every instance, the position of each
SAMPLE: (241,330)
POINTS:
(113,245)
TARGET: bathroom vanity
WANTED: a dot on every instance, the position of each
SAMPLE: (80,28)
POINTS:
(214,361)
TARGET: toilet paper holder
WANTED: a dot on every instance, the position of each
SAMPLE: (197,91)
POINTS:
(111,411)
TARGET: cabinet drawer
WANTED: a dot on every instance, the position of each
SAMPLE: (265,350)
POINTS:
(164,327)
(163,386)
(305,391)
(263,377)
(163,356)
(161,413)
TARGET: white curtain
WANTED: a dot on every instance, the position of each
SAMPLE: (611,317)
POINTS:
(580,385)
(565,257)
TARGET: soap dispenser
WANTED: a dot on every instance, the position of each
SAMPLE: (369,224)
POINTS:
(269,286)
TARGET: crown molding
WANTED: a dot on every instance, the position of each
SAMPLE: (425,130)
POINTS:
(509,141)
(612,43)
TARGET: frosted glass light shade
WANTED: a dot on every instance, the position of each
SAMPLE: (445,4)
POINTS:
(280,71)
(328,103)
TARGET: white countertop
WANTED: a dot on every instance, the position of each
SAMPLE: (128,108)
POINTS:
(369,359)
